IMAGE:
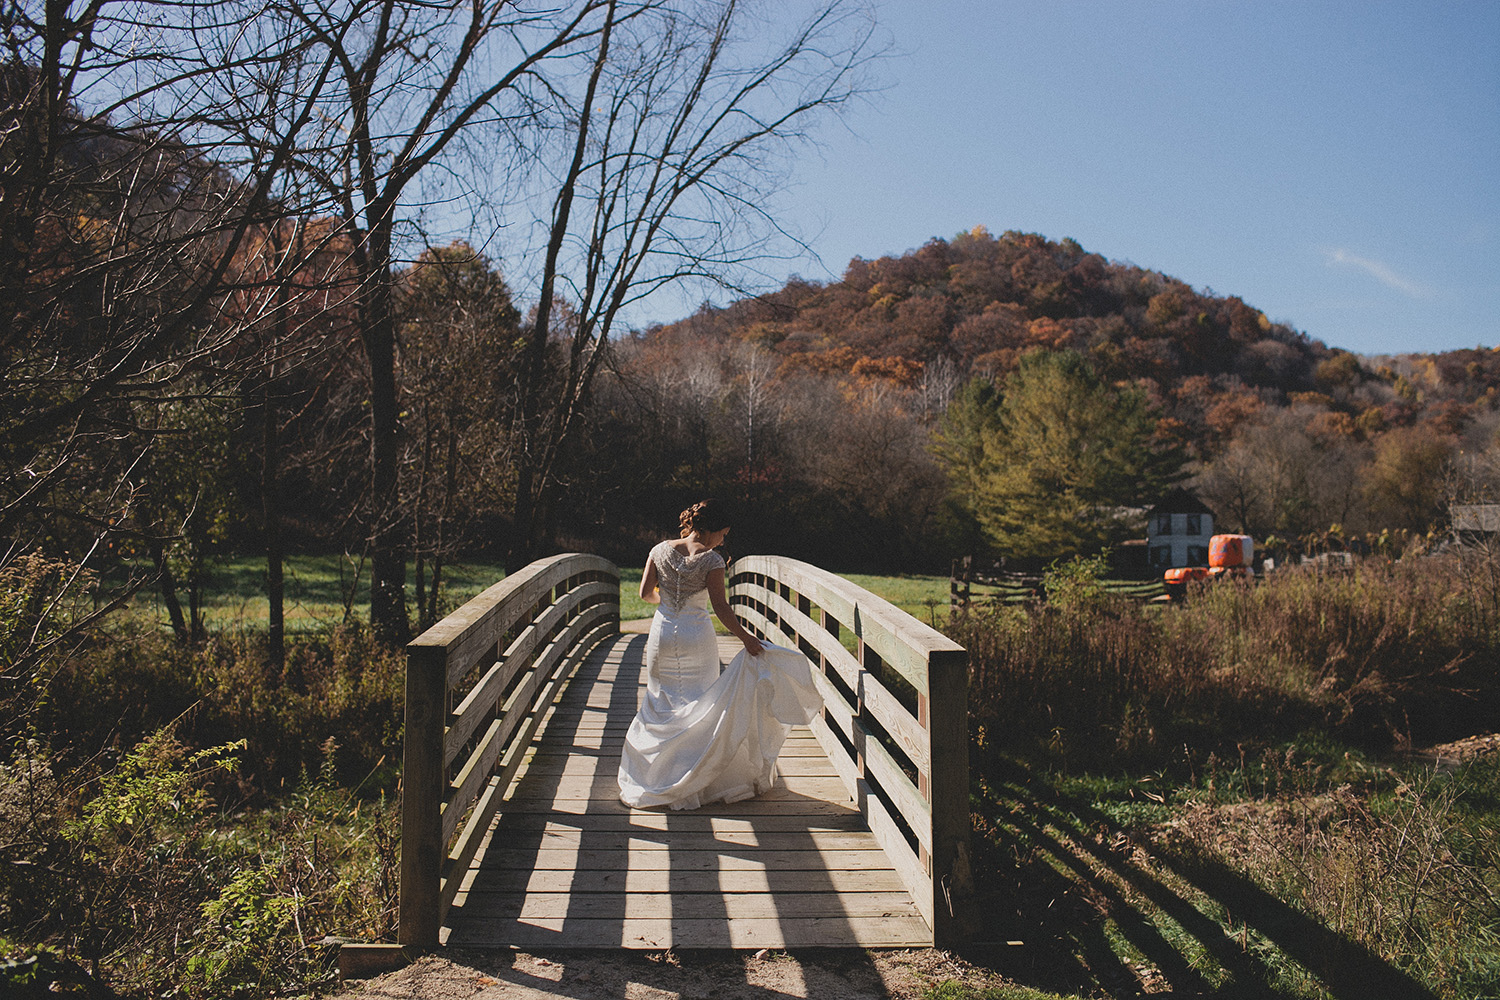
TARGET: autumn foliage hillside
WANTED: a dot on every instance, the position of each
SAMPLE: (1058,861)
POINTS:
(978,302)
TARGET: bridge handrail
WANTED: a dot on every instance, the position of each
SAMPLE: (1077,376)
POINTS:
(906,765)
(524,636)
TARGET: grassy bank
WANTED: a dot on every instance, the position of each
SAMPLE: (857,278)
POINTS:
(1222,799)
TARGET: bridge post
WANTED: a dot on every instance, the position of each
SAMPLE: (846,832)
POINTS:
(422,784)
(947,705)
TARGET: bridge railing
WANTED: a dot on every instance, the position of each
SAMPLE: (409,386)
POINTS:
(477,685)
(894,720)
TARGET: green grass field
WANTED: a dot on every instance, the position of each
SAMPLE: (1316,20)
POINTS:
(319,590)
(322,589)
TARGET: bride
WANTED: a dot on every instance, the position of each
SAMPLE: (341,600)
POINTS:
(703,736)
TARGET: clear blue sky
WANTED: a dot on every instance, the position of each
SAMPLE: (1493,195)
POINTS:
(1336,165)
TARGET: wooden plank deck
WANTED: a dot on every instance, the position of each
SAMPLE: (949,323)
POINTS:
(567,865)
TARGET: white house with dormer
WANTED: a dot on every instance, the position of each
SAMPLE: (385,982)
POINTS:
(1177,531)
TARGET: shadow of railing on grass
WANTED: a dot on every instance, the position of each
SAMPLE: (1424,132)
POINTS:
(1045,848)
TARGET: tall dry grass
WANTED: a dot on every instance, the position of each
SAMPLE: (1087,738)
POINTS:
(1405,866)
(1385,655)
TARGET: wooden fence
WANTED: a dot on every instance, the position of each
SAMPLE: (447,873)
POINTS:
(894,721)
(1004,587)
(477,684)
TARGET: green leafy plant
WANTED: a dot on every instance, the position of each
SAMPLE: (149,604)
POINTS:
(160,782)
(244,924)
(1077,584)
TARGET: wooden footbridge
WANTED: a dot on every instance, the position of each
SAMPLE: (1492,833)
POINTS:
(513,834)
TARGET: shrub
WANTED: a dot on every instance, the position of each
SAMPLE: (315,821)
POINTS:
(137,871)
(125,683)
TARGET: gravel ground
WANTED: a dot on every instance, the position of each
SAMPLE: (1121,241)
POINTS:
(824,974)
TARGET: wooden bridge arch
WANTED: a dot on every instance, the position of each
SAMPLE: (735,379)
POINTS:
(488,692)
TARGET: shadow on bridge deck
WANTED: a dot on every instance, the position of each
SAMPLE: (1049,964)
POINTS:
(567,865)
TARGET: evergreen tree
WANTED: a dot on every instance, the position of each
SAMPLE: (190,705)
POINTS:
(1063,457)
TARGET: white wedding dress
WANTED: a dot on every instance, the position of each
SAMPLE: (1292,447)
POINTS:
(703,736)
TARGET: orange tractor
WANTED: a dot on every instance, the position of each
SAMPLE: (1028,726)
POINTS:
(1228,556)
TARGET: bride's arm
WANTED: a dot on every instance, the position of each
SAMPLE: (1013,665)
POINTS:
(649,593)
(726,614)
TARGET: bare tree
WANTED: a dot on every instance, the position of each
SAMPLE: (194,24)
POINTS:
(677,136)
(397,84)
(645,133)
(121,237)
(756,370)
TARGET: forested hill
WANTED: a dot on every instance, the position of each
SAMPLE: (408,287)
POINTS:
(978,302)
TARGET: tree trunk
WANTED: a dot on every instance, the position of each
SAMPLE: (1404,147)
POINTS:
(419,567)
(387,558)
(270,510)
(518,553)
(450,488)
(195,598)
(167,585)
(534,471)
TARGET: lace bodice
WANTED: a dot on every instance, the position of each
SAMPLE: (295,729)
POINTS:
(681,577)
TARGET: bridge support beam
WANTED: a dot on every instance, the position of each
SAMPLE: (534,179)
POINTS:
(422,785)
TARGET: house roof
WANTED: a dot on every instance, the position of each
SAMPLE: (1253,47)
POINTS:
(1180,501)
(1475,516)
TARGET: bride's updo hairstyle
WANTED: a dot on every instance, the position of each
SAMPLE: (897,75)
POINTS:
(705,516)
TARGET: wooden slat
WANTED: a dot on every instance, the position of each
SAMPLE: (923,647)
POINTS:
(810,762)
(480,621)
(606,787)
(518,707)
(486,694)
(478,625)
(909,868)
(890,838)
(900,640)
(475,774)
(881,769)
(691,856)
(658,882)
(475,830)
(846,767)
(763,806)
(647,821)
(883,706)
(522,701)
(688,905)
(805,932)
(571,839)
(469,842)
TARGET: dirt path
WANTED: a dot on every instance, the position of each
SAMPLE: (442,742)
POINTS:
(700,975)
